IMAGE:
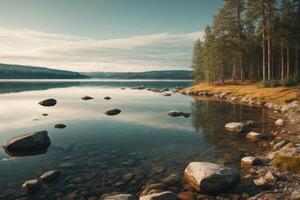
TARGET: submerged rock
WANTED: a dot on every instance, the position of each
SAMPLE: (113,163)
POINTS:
(210,178)
(167,195)
(48,102)
(107,98)
(31,186)
(114,111)
(28,144)
(60,126)
(86,98)
(120,197)
(50,175)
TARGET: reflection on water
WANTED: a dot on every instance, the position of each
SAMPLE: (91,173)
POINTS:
(95,151)
(11,85)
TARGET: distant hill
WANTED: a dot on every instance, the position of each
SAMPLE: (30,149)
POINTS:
(9,71)
(164,74)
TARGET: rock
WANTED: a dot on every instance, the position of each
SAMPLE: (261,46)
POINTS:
(45,114)
(296,194)
(210,178)
(107,98)
(171,179)
(186,115)
(188,195)
(279,122)
(60,126)
(167,195)
(249,123)
(141,87)
(254,136)
(153,188)
(31,186)
(120,197)
(280,144)
(266,181)
(50,175)
(249,160)
(167,94)
(28,144)
(128,177)
(86,98)
(174,113)
(114,111)
(48,102)
(236,127)
(288,158)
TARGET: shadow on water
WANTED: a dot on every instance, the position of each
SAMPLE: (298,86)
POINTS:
(209,118)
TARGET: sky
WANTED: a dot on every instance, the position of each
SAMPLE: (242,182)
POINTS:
(103,35)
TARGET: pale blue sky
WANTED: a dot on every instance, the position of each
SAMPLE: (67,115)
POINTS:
(102,35)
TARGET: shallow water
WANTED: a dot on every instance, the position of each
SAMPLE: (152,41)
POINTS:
(94,151)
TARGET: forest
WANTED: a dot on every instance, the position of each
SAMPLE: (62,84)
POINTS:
(250,40)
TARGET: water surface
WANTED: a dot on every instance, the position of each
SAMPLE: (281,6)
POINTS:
(94,151)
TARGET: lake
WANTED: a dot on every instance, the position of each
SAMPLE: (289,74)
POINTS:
(99,154)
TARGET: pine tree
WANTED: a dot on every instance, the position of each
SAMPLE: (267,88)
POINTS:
(197,62)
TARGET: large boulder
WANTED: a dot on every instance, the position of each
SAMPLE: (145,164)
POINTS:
(48,102)
(167,195)
(114,111)
(210,178)
(28,144)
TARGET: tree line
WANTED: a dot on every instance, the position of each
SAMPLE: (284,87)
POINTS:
(256,40)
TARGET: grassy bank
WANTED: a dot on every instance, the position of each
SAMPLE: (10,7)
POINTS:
(256,91)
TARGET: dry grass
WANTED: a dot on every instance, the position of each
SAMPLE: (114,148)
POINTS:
(256,91)
(287,163)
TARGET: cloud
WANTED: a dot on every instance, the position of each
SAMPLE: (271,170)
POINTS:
(136,53)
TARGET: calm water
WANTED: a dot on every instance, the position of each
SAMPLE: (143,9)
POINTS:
(94,151)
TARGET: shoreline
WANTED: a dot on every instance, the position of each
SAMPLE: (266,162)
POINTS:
(277,179)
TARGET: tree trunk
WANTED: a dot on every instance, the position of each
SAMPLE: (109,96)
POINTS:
(282,62)
(234,71)
(269,39)
(296,60)
(242,70)
(288,61)
(264,58)
(263,43)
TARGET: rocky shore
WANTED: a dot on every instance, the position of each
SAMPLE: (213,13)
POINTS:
(277,173)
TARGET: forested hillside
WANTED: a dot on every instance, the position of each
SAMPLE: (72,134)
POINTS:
(8,71)
(163,74)
(255,40)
